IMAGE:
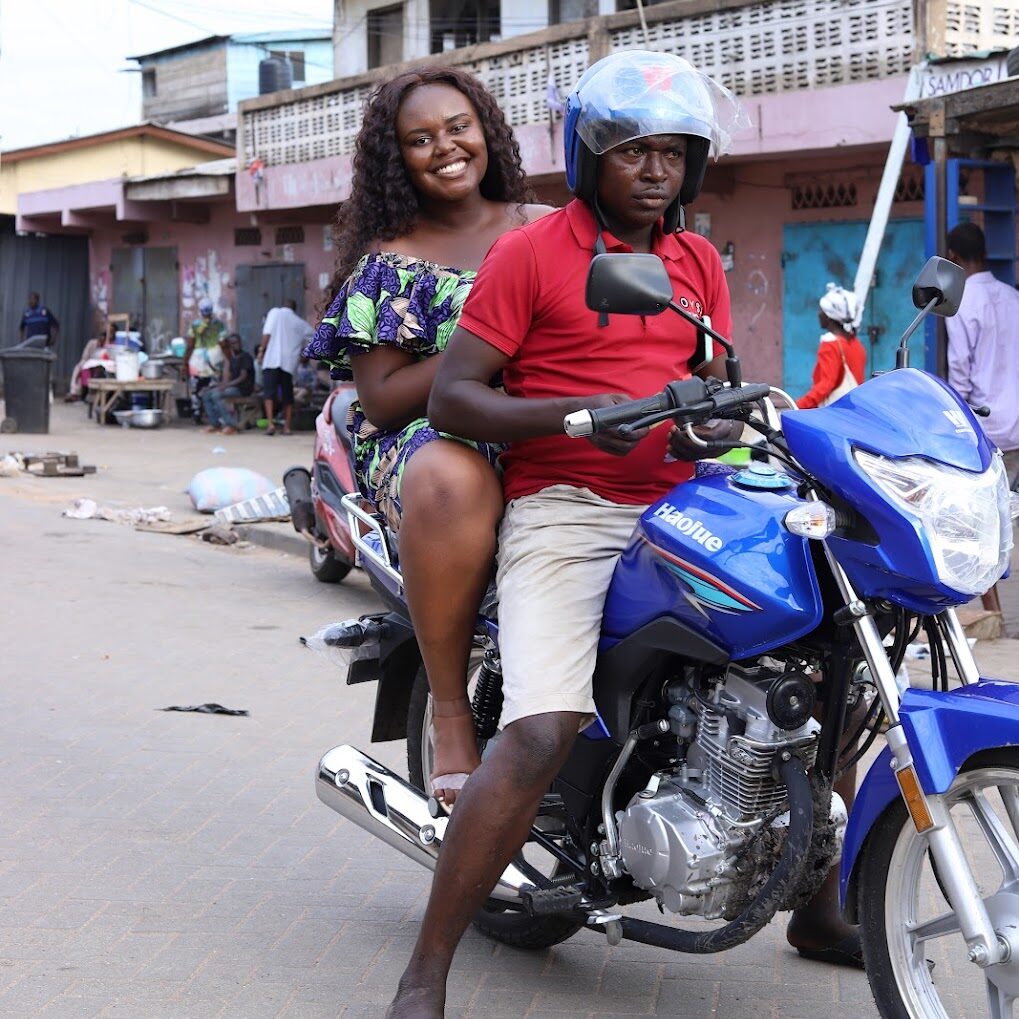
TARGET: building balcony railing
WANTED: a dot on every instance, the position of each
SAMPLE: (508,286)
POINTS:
(757,48)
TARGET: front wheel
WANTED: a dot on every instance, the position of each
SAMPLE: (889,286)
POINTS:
(916,958)
(510,927)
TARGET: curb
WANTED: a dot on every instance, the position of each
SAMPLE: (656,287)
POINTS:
(276,536)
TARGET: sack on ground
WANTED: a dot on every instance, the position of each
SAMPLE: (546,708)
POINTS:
(216,487)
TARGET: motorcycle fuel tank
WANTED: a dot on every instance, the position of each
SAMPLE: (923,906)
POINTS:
(715,555)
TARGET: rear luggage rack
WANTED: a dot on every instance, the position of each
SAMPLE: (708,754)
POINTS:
(373,544)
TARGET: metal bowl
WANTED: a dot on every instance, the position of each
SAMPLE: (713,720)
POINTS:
(146,418)
(152,370)
(123,417)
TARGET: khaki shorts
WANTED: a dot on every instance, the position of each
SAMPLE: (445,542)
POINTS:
(557,551)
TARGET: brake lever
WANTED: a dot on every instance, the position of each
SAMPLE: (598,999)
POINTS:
(694,412)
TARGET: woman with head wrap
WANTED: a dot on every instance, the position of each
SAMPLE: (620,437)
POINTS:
(841,358)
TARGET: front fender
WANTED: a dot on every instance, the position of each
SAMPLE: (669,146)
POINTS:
(944,730)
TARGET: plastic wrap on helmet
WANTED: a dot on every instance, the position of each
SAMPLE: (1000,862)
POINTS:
(640,93)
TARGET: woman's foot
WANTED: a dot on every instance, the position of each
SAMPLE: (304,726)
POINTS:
(229,430)
(271,430)
(455,746)
(211,428)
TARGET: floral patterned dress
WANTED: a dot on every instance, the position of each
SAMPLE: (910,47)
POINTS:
(399,301)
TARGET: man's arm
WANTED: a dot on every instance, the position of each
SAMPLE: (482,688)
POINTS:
(464,403)
(260,353)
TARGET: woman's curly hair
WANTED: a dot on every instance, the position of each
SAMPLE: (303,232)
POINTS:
(383,203)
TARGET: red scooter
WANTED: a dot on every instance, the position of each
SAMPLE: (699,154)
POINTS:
(314,496)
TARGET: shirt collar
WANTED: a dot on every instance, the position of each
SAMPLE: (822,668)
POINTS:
(585,230)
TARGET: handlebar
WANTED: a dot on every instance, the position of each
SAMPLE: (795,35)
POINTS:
(687,400)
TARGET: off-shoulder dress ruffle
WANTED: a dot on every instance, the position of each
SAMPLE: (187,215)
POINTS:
(394,300)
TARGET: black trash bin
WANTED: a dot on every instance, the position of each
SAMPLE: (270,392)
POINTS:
(27,388)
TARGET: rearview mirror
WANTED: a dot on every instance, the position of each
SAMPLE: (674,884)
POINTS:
(628,284)
(943,280)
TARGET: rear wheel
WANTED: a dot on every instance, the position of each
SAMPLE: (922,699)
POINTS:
(326,565)
(917,960)
(508,926)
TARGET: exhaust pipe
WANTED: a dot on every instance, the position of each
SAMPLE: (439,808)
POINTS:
(382,803)
(297,482)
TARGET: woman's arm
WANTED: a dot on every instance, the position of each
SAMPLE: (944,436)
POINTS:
(393,385)
(827,372)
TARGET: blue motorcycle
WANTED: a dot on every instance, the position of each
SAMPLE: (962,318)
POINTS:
(705,784)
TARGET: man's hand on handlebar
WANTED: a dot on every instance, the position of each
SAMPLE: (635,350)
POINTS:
(683,448)
(610,441)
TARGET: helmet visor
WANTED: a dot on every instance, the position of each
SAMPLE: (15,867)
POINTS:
(639,94)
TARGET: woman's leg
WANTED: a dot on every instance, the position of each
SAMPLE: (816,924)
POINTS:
(451,501)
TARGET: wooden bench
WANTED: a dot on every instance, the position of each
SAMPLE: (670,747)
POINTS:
(246,409)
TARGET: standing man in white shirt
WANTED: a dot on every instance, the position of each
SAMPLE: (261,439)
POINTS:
(983,344)
(283,335)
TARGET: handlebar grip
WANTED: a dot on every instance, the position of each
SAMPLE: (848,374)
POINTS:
(604,418)
(729,399)
(586,422)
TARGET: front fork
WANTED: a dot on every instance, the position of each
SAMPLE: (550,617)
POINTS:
(929,814)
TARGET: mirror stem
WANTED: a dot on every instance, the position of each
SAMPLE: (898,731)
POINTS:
(902,354)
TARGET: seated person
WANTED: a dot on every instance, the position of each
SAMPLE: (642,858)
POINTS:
(238,379)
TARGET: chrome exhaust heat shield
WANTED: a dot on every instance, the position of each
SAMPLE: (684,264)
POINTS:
(382,803)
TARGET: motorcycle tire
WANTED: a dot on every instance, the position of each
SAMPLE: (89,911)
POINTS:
(326,566)
(903,980)
(507,926)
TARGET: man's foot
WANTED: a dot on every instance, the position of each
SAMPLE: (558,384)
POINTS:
(229,430)
(271,430)
(456,749)
(211,428)
(830,940)
(287,431)
(71,398)
(417,1001)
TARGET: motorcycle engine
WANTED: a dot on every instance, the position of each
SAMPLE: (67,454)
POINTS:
(703,837)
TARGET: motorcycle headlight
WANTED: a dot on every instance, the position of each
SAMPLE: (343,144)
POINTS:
(966,516)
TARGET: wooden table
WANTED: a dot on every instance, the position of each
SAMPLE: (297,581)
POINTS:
(106,392)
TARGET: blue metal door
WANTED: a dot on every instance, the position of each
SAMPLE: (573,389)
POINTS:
(814,254)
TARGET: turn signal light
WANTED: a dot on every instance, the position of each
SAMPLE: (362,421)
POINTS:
(811,520)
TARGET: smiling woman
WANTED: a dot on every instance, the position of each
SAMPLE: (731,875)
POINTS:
(437,180)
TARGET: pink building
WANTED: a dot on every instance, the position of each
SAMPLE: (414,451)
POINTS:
(788,210)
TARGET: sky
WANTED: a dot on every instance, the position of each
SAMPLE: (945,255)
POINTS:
(63,63)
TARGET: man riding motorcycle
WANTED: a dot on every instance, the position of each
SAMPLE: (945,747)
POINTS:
(639,129)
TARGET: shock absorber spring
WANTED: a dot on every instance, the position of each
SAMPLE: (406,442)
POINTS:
(487,703)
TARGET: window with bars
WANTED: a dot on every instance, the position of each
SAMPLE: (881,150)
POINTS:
(247,236)
(823,196)
(290,235)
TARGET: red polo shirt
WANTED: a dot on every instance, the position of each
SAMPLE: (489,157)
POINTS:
(528,302)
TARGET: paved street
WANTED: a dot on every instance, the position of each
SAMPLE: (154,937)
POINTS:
(165,864)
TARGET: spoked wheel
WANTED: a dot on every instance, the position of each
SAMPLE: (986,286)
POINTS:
(509,926)
(917,960)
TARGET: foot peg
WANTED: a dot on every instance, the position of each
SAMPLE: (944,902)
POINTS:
(544,901)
